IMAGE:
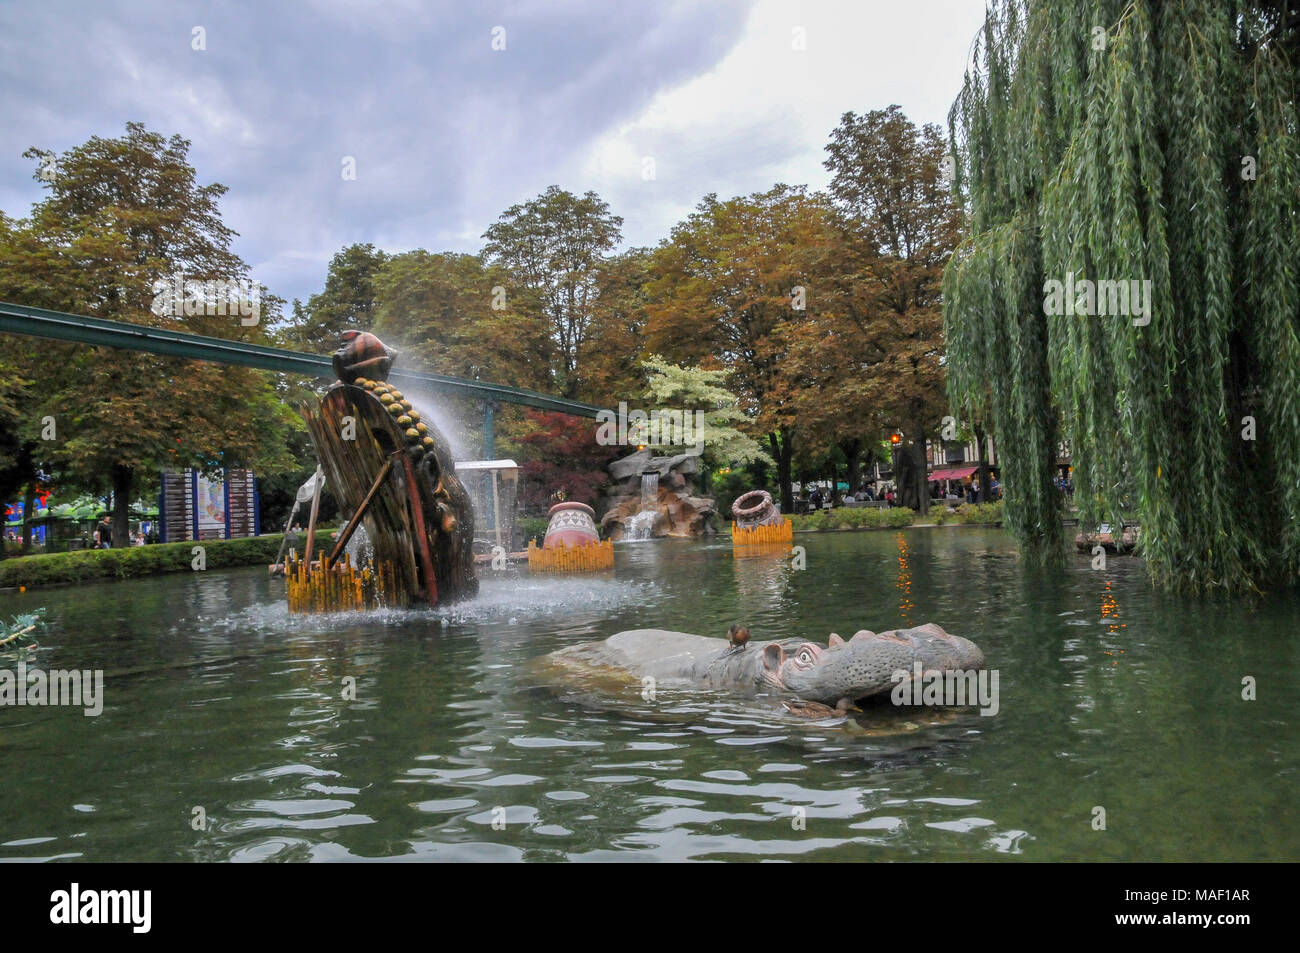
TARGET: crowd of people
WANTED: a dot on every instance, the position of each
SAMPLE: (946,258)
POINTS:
(103,536)
(100,538)
(963,491)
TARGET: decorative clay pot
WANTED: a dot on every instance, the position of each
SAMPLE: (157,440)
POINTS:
(573,524)
(755,508)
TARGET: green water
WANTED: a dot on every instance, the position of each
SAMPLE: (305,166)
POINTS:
(216,698)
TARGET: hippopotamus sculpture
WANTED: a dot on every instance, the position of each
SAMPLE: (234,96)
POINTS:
(810,679)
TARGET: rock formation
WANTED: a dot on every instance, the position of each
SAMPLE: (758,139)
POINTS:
(655,496)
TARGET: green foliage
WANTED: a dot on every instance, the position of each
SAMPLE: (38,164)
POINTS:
(90,564)
(968,513)
(553,248)
(672,387)
(1106,138)
(863,517)
(532,527)
(725,488)
(17,636)
(348,300)
(119,215)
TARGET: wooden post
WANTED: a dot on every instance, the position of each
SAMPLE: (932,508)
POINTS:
(421,531)
(353,523)
(311,522)
(293,511)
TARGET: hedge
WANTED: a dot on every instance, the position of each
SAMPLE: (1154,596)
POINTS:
(871,517)
(968,513)
(866,517)
(90,564)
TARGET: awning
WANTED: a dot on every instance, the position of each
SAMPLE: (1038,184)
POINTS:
(952,473)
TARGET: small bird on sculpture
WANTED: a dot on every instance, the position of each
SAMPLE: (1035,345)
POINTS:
(737,636)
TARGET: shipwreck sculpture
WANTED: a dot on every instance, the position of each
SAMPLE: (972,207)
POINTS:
(390,468)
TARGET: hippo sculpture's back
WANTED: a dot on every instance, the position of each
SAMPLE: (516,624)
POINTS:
(811,678)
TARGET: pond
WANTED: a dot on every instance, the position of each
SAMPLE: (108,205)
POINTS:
(224,713)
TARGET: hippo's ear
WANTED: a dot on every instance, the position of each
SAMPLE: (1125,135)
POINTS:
(773,656)
(835,640)
(862,634)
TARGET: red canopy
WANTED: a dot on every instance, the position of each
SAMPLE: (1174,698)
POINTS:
(952,473)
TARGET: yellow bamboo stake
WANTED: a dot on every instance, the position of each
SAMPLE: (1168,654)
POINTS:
(559,557)
(763,535)
(336,587)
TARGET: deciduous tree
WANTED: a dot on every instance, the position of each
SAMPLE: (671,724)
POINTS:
(553,247)
(348,300)
(725,285)
(1149,142)
(118,215)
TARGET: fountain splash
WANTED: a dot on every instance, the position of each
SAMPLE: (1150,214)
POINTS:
(640,526)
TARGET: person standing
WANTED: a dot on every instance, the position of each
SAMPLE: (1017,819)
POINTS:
(104,534)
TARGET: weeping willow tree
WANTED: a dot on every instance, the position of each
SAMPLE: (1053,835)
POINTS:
(1156,142)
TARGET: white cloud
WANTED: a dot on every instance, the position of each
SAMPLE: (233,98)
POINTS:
(764,113)
(448,133)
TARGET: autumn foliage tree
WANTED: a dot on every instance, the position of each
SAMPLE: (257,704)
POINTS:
(560,456)
(442,311)
(725,287)
(553,248)
(898,226)
(610,359)
(119,214)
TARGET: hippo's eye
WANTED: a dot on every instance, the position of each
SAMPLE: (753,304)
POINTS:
(805,656)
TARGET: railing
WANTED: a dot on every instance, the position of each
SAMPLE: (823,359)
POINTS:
(81,329)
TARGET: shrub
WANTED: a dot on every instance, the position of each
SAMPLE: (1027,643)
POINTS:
(810,521)
(978,513)
(532,527)
(87,564)
(856,518)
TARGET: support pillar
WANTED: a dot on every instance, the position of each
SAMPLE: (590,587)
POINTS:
(489,430)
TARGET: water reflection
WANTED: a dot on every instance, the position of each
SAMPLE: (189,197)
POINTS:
(904,582)
(416,734)
(1110,617)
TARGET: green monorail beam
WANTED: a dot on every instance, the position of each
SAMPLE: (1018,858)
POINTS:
(39,322)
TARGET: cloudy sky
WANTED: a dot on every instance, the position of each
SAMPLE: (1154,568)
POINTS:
(446,131)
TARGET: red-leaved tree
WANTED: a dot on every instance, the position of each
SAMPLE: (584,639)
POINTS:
(560,455)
